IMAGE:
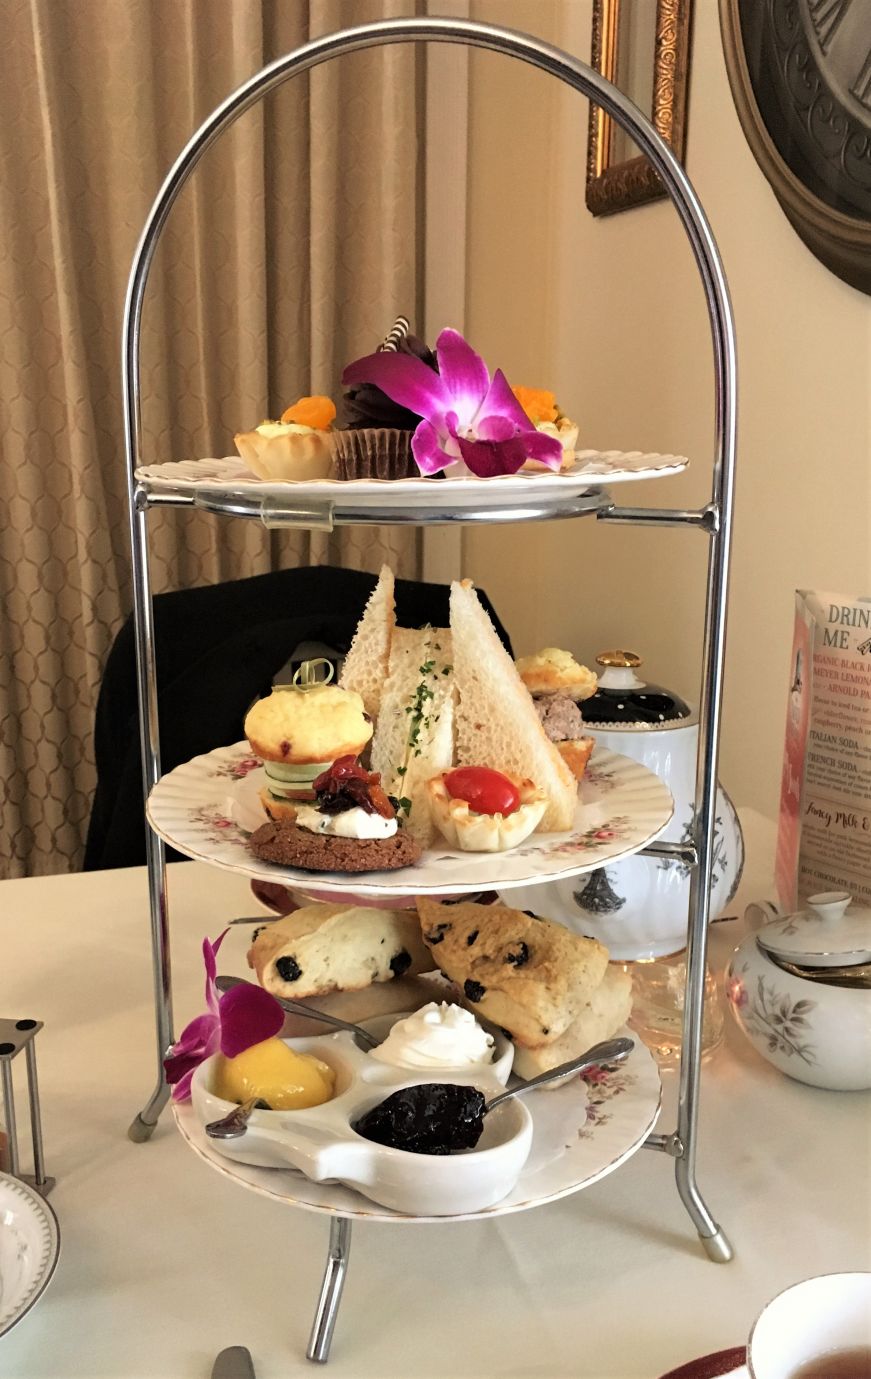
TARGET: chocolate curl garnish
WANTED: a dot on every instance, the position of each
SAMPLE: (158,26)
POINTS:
(397,333)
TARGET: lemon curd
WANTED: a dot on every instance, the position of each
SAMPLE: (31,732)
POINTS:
(287,1080)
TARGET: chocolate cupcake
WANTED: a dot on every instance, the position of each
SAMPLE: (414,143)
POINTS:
(376,440)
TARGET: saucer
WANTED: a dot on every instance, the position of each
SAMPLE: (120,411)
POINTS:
(723,1364)
(29,1249)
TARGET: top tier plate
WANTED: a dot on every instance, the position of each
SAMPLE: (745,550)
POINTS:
(226,485)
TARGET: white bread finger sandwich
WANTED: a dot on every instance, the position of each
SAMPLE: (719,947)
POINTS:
(496,721)
(366,664)
(414,735)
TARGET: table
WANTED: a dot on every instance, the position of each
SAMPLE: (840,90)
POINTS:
(164,1262)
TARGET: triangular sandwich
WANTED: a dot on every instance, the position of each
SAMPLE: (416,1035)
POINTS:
(414,734)
(496,723)
(366,663)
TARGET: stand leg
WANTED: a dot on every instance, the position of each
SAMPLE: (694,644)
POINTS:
(9,1112)
(143,1126)
(713,1239)
(40,1180)
(331,1291)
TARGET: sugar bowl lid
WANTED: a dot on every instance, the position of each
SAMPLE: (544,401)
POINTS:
(830,932)
(624,700)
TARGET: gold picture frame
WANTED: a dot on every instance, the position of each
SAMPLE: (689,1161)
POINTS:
(614,185)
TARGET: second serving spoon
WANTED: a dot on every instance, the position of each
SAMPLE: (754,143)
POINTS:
(300,1008)
(448,1117)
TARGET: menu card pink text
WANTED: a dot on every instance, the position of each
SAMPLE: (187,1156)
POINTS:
(824,835)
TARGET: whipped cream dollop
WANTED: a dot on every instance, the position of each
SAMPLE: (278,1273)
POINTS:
(351,823)
(436,1036)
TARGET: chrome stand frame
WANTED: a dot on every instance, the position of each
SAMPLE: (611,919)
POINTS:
(714,520)
(17,1036)
(331,1291)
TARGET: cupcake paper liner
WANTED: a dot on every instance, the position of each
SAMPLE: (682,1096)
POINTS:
(374,453)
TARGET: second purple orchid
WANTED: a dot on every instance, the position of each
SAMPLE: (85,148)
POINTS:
(470,423)
(232,1023)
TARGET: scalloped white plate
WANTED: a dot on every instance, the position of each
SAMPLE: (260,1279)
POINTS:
(591,469)
(208,807)
(613,1120)
(29,1249)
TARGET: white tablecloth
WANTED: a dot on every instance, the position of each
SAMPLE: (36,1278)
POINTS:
(165,1262)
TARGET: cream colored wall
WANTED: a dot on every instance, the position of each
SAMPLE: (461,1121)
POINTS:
(610,313)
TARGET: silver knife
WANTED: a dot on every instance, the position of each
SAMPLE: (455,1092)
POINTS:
(234,1363)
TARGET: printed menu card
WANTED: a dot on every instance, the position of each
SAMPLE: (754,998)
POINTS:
(824,834)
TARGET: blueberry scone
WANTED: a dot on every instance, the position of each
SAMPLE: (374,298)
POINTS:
(324,948)
(531,977)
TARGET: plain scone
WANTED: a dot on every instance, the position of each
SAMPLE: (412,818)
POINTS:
(324,948)
(531,977)
(605,1012)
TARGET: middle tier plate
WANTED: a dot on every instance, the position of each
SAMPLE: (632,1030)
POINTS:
(208,807)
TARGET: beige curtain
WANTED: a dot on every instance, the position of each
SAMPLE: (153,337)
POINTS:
(289,253)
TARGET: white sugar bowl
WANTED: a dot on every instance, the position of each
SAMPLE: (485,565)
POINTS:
(800,989)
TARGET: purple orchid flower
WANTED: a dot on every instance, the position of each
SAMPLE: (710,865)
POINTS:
(233,1022)
(470,423)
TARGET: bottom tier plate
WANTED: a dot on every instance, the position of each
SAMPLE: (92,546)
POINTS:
(622,1108)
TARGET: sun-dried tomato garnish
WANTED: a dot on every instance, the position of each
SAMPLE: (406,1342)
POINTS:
(346,785)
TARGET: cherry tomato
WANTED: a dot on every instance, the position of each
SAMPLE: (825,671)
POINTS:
(484,790)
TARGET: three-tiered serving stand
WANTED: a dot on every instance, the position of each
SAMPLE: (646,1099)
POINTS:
(292,509)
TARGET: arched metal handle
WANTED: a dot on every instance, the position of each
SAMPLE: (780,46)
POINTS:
(534,51)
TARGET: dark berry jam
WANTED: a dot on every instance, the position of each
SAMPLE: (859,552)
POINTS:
(431,1118)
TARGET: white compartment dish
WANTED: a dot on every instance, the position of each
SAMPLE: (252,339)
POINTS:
(581,1132)
(321,1143)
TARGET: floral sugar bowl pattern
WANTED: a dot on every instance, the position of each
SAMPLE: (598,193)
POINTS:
(814,1029)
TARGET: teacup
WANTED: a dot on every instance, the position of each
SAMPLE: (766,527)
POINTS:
(813,1321)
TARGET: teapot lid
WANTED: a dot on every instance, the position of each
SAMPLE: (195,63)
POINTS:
(624,700)
(830,932)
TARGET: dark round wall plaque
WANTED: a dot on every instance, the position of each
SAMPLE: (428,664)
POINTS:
(800,72)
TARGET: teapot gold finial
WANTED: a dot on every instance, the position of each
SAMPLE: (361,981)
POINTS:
(624,660)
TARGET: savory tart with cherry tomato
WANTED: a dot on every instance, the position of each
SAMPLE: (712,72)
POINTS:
(478,809)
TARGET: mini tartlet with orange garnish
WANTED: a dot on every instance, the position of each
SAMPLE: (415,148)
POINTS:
(299,446)
(541,407)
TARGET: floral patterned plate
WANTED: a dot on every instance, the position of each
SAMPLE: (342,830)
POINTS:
(590,470)
(577,1140)
(208,807)
(29,1249)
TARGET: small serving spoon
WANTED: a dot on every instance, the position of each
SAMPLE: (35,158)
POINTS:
(610,1051)
(440,1118)
(234,1124)
(299,1008)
